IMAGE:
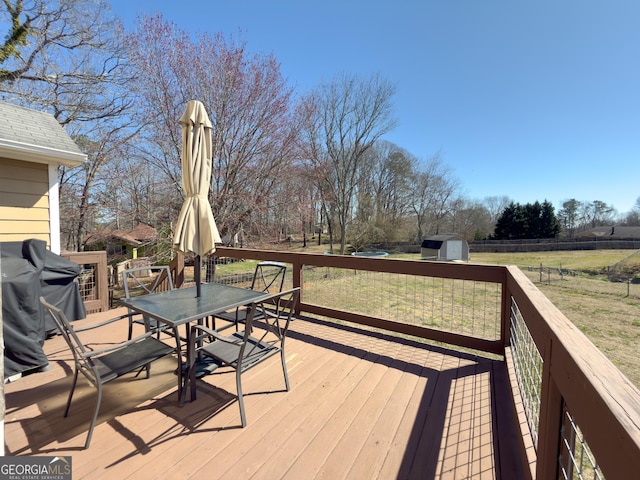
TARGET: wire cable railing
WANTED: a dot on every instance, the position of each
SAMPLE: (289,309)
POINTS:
(570,393)
(465,307)
(527,363)
(576,461)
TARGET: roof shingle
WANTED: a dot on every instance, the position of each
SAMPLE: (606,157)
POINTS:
(24,126)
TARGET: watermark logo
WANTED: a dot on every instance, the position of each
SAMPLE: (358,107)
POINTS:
(35,468)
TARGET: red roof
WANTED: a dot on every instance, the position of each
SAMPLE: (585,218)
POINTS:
(139,235)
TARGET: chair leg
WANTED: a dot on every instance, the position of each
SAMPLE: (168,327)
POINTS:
(146,368)
(95,415)
(73,387)
(191,372)
(130,336)
(243,417)
(210,322)
(284,369)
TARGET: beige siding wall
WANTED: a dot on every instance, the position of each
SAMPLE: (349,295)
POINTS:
(24,201)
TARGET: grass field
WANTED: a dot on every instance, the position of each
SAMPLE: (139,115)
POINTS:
(584,261)
(607,312)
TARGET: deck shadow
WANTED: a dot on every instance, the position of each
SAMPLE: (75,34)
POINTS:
(47,425)
(423,453)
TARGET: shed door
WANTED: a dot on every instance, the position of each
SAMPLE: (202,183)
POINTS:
(454,250)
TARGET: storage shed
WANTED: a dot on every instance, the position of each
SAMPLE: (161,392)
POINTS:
(444,247)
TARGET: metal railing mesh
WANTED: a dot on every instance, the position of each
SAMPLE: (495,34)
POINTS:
(458,306)
(528,369)
(576,462)
(87,282)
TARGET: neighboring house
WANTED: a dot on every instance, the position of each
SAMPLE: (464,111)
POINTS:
(611,232)
(123,244)
(444,247)
(32,146)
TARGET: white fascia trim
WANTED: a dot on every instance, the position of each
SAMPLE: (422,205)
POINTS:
(37,154)
(54,209)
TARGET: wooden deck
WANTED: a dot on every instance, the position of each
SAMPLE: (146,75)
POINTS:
(363,405)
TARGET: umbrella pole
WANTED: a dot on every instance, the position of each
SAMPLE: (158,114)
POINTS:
(196,275)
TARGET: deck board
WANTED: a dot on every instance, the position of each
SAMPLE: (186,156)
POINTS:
(362,405)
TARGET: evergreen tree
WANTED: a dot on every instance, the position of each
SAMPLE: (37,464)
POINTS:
(508,223)
(550,223)
(527,221)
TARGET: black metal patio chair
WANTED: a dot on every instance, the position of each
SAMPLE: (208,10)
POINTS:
(106,364)
(261,339)
(143,281)
(268,277)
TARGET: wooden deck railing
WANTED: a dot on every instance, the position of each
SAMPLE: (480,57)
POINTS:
(577,378)
(578,381)
(177,270)
(583,404)
(94,279)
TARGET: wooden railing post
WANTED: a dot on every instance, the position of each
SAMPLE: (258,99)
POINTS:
(505,315)
(98,300)
(177,269)
(298,279)
(550,421)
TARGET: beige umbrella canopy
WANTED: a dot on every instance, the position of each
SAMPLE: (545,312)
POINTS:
(196,231)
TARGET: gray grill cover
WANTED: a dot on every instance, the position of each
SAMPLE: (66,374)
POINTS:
(29,270)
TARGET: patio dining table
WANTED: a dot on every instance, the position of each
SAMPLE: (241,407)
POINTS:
(181,307)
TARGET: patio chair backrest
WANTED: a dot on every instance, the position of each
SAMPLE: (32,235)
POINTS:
(274,323)
(143,281)
(83,364)
(146,280)
(269,277)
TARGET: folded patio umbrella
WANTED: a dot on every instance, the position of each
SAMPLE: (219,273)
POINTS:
(196,231)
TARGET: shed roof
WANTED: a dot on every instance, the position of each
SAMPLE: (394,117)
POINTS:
(35,136)
(436,241)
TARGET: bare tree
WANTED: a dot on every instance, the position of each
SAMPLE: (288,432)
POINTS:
(346,117)
(68,58)
(495,205)
(632,218)
(433,186)
(383,192)
(80,187)
(469,219)
(443,193)
(133,192)
(597,213)
(569,216)
(248,101)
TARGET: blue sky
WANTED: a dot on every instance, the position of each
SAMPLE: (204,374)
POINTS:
(532,100)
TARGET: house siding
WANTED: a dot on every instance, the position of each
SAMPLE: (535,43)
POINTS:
(24,201)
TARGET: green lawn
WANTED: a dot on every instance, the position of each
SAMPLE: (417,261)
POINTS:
(607,312)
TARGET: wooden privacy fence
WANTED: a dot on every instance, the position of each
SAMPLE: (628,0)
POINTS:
(553,244)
